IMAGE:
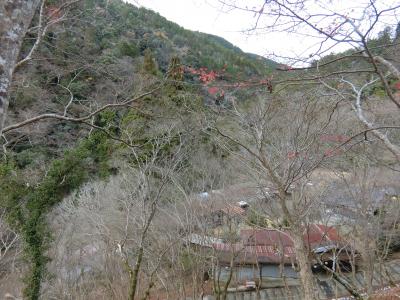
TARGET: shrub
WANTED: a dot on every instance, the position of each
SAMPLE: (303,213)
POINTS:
(128,49)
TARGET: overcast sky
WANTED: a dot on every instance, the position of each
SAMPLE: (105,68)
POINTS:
(208,16)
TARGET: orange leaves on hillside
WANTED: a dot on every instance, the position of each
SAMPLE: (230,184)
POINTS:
(207,77)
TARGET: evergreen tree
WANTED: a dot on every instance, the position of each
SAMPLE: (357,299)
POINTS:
(149,63)
(175,72)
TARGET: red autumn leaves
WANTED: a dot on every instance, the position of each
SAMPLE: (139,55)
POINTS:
(209,78)
(204,75)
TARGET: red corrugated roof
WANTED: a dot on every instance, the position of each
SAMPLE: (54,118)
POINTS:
(314,234)
(271,237)
(251,254)
(318,234)
(265,245)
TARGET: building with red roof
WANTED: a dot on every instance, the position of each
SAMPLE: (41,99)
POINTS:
(269,253)
(276,246)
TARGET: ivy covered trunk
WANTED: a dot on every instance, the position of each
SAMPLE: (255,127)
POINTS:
(27,207)
(15,17)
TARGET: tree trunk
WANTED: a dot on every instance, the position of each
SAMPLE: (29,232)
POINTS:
(15,17)
(302,255)
(352,290)
(134,276)
(228,281)
(368,268)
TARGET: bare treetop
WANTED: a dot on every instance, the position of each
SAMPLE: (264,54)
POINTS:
(323,25)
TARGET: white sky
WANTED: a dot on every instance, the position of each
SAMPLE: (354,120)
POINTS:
(208,16)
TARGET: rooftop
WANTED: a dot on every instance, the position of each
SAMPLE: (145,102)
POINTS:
(273,245)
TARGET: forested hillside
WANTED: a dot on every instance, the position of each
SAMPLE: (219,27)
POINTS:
(98,54)
(142,160)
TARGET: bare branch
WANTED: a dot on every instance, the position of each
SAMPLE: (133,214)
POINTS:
(81,119)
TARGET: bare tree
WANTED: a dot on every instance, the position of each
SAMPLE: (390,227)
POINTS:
(328,26)
(280,142)
(128,219)
(371,215)
(346,79)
